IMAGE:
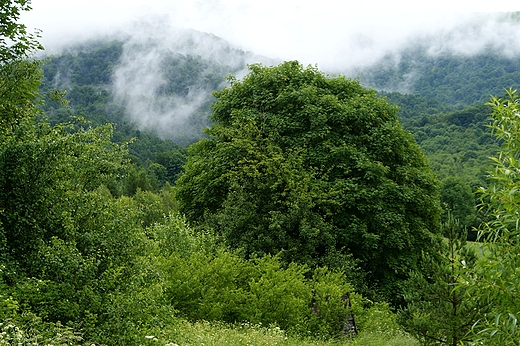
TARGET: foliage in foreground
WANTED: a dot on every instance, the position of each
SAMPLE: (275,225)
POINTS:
(203,280)
(376,324)
(183,275)
(181,333)
(498,270)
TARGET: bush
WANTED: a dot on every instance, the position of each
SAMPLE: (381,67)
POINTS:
(203,280)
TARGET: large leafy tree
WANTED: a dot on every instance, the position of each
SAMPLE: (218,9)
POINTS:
(318,167)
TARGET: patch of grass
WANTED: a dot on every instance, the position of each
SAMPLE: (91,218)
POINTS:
(243,334)
(383,339)
(185,333)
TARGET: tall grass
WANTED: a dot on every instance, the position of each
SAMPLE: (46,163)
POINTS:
(219,334)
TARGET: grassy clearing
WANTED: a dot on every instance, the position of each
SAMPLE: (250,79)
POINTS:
(184,333)
(245,334)
(376,322)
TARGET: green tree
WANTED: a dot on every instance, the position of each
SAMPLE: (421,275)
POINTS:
(16,43)
(43,168)
(69,251)
(318,167)
(19,81)
(498,272)
(19,75)
(439,311)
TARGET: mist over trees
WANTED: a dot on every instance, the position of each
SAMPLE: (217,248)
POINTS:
(449,78)
(170,95)
(154,77)
(174,100)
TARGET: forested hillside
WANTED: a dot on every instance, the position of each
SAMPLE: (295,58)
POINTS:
(449,78)
(143,80)
(166,104)
(461,65)
(312,209)
(441,99)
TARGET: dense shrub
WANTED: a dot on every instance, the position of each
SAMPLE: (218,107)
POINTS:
(205,281)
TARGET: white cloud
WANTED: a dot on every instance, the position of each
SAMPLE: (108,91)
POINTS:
(324,32)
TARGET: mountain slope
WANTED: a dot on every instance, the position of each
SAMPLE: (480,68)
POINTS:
(147,79)
(451,79)
(461,64)
(159,80)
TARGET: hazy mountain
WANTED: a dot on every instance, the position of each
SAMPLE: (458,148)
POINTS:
(159,79)
(153,77)
(460,65)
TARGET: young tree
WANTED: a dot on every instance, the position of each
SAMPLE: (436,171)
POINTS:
(458,200)
(498,272)
(318,167)
(439,311)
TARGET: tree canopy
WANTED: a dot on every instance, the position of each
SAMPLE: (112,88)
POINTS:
(315,166)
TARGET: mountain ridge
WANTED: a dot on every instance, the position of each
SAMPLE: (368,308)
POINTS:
(163,86)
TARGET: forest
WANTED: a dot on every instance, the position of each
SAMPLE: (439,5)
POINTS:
(238,203)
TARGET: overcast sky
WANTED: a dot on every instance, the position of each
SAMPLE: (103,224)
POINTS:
(310,31)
